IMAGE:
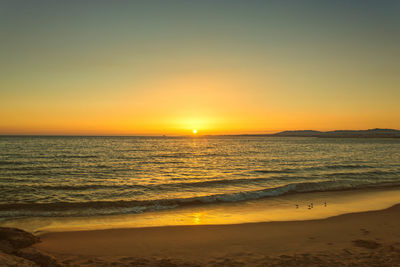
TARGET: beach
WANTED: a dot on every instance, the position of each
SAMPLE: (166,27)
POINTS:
(358,239)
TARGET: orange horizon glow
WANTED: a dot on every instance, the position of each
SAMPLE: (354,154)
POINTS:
(212,104)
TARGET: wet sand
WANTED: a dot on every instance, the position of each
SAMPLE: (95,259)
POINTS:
(362,239)
(291,207)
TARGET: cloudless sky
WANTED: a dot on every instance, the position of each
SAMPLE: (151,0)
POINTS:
(169,66)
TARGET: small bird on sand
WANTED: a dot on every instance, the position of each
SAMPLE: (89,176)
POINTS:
(297,206)
(325,204)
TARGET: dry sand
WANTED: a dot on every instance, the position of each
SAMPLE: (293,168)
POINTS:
(358,239)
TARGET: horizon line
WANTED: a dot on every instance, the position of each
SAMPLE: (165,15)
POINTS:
(177,135)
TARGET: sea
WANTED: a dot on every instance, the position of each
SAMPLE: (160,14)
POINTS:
(44,177)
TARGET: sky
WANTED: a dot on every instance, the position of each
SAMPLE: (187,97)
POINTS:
(220,67)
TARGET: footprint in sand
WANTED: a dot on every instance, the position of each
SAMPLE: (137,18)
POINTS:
(364,231)
(370,244)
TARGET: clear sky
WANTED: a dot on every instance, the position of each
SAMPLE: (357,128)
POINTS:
(168,67)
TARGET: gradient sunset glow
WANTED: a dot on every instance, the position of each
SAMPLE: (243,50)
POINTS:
(217,67)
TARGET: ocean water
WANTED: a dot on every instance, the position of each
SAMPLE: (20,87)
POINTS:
(91,176)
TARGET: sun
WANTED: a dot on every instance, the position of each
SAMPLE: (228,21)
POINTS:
(194,131)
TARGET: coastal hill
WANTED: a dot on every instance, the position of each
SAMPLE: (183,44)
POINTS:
(371,133)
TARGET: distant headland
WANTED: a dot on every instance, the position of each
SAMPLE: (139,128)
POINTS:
(370,133)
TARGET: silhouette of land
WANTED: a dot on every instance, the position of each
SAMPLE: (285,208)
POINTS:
(370,133)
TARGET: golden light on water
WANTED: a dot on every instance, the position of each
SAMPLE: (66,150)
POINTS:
(197,217)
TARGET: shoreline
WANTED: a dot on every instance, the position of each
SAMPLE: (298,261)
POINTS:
(354,238)
(395,207)
(273,209)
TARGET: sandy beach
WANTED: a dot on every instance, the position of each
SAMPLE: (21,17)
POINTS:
(358,239)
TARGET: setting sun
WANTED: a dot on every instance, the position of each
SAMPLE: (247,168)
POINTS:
(194,131)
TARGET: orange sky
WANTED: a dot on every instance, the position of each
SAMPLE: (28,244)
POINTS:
(220,68)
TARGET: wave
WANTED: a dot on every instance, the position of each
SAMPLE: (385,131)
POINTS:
(277,171)
(349,166)
(77,156)
(72,187)
(198,184)
(29,168)
(90,186)
(173,155)
(318,168)
(364,174)
(137,206)
(3,162)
